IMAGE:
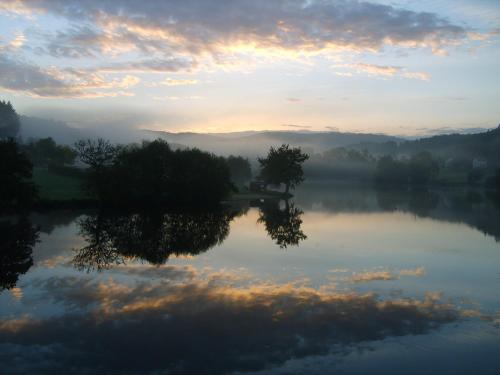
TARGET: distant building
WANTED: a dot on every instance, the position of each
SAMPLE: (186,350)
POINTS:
(257,185)
(478,163)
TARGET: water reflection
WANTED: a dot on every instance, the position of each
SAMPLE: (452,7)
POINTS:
(150,236)
(17,238)
(282,224)
(206,325)
(373,275)
(476,208)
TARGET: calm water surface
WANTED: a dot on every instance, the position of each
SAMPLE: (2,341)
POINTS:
(338,280)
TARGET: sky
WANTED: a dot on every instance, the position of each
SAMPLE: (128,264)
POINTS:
(403,67)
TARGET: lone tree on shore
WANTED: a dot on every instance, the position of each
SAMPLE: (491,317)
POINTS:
(283,165)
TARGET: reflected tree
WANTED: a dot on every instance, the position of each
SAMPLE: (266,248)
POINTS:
(422,201)
(16,248)
(99,253)
(152,237)
(282,225)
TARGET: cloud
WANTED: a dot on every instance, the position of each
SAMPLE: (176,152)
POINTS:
(18,41)
(293,100)
(363,277)
(19,76)
(380,70)
(172,324)
(179,82)
(344,74)
(419,271)
(157,65)
(416,75)
(221,28)
(378,275)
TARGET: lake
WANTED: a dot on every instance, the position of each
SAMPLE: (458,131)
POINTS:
(337,280)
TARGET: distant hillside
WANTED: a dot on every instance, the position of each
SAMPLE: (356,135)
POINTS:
(484,145)
(251,144)
(35,128)
(62,133)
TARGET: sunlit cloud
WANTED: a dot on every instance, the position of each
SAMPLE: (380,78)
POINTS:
(18,76)
(179,82)
(218,28)
(18,41)
(386,71)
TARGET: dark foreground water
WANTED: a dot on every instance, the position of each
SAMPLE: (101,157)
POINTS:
(338,280)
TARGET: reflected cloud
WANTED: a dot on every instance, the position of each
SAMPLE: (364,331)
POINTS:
(364,277)
(375,275)
(189,323)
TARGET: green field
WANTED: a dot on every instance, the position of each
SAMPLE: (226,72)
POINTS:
(55,187)
(451,177)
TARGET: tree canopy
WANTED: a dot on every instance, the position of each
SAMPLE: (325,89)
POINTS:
(283,165)
(420,169)
(240,169)
(45,151)
(9,121)
(153,174)
(16,189)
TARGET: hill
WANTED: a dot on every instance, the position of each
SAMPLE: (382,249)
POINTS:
(485,145)
(251,144)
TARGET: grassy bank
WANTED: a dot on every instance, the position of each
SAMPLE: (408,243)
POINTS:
(67,191)
(54,187)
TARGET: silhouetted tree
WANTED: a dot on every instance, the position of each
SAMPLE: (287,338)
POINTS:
(240,169)
(99,155)
(142,174)
(497,179)
(282,225)
(283,165)
(200,177)
(152,174)
(9,121)
(391,171)
(45,151)
(16,188)
(16,246)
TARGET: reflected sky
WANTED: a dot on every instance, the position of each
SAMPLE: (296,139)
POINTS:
(377,282)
